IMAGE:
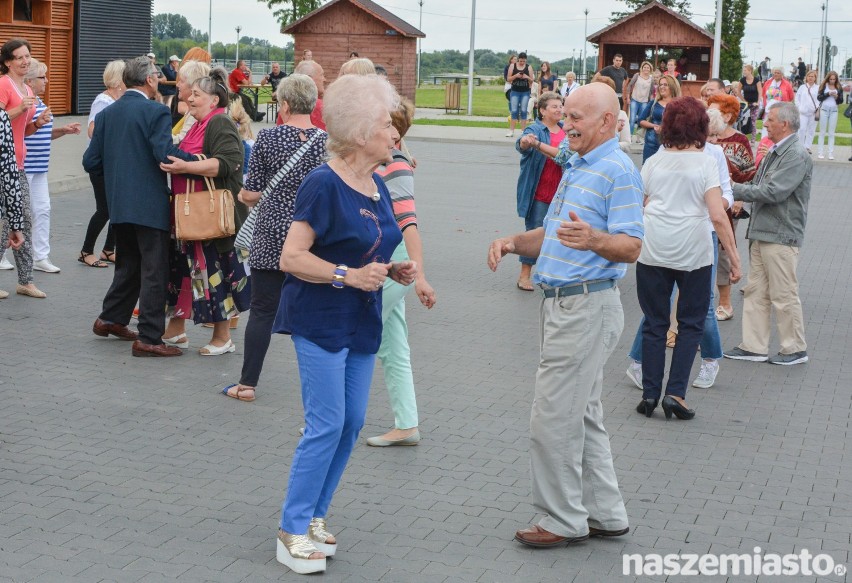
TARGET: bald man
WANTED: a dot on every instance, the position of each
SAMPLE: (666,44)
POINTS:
(313,70)
(593,228)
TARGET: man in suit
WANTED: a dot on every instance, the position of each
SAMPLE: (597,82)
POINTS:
(780,192)
(131,138)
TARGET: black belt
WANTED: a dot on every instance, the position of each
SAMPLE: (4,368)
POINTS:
(578,288)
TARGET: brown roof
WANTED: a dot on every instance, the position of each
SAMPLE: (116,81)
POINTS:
(392,20)
(594,38)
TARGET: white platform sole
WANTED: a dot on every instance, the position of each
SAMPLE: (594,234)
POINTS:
(326,548)
(300,566)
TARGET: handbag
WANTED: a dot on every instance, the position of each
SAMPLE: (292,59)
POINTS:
(206,214)
(244,237)
(847,113)
(817,110)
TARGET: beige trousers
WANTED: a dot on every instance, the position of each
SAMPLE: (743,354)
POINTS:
(772,283)
(573,477)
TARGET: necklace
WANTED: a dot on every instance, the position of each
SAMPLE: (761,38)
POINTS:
(375,196)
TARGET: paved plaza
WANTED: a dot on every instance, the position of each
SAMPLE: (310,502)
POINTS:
(115,468)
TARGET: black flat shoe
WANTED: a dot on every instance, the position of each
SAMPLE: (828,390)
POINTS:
(646,406)
(672,405)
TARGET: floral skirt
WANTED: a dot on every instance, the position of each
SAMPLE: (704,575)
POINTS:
(205,285)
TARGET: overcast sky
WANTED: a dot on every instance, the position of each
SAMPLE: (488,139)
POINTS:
(550,29)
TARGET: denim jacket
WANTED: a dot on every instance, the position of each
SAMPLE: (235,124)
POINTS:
(780,192)
(532,165)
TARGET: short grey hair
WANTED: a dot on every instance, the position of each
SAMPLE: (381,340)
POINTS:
(114,74)
(137,71)
(786,111)
(299,92)
(546,98)
(352,107)
(37,69)
(309,68)
(191,71)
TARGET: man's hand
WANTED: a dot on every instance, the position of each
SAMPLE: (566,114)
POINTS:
(499,248)
(16,239)
(528,141)
(576,234)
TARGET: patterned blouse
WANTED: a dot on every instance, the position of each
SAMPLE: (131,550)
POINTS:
(271,151)
(13,210)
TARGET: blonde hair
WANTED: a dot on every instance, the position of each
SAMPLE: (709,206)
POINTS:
(191,71)
(352,107)
(359,66)
(238,114)
(114,74)
(403,116)
(674,86)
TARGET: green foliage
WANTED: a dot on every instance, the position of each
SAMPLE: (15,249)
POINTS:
(287,11)
(166,26)
(680,6)
(490,63)
(734,15)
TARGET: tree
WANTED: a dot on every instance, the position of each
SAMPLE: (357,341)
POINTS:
(679,6)
(171,26)
(288,11)
(734,15)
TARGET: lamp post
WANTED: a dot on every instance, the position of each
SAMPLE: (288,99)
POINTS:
(238,29)
(419,43)
(585,35)
(470,59)
(210,30)
(572,61)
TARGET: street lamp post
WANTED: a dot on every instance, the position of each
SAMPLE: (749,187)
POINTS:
(470,58)
(585,36)
(210,30)
(419,45)
(572,60)
(238,29)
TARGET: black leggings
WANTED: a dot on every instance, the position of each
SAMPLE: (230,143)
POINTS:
(99,219)
(265,294)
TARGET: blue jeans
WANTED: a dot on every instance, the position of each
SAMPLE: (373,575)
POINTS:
(711,341)
(638,111)
(534,220)
(335,390)
(518,103)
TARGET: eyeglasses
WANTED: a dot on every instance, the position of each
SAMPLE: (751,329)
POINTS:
(42,78)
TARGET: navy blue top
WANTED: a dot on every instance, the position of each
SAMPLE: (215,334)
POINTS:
(350,229)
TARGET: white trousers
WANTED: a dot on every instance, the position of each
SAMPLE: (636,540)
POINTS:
(807,129)
(40,202)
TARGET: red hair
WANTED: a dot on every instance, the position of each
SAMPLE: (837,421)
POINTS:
(729,106)
(685,124)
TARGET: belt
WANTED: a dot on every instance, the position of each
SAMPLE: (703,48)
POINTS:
(578,288)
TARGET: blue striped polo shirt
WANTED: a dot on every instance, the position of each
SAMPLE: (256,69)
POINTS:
(605,189)
(38,144)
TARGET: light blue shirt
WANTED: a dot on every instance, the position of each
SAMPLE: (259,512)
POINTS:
(605,189)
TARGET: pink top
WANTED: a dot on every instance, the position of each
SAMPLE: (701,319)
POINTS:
(12,97)
(193,143)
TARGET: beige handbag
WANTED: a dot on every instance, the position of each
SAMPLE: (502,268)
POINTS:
(206,214)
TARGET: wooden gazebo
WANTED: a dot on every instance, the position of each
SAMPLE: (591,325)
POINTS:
(339,27)
(655,33)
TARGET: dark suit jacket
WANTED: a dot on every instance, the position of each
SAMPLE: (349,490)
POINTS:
(132,136)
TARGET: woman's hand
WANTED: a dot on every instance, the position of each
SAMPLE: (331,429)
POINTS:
(44,118)
(369,278)
(176,166)
(71,128)
(736,208)
(403,272)
(736,270)
(528,141)
(424,292)
(248,197)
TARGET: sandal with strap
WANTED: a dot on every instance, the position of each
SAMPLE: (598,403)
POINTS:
(295,552)
(108,256)
(319,535)
(238,394)
(95,263)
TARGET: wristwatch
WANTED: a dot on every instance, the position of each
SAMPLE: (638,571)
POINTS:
(339,274)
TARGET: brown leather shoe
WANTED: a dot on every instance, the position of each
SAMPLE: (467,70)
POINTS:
(141,349)
(536,536)
(101,328)
(593,532)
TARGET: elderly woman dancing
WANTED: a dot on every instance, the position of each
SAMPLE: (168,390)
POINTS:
(302,146)
(337,258)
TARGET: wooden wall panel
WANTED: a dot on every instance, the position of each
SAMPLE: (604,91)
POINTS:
(342,18)
(656,27)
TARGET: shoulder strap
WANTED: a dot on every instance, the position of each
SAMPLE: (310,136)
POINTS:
(294,159)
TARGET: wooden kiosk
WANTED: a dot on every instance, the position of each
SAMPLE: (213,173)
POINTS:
(655,33)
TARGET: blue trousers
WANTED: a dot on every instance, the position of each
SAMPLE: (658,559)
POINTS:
(335,390)
(518,102)
(711,341)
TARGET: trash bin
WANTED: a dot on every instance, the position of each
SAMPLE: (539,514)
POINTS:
(452,97)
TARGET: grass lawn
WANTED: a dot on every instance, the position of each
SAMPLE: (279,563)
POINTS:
(488,101)
(463,123)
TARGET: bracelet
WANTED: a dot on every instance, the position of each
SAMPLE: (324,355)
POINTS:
(339,274)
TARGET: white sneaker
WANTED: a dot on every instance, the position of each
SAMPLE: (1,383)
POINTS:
(4,263)
(831,156)
(707,375)
(634,373)
(820,156)
(510,134)
(45,265)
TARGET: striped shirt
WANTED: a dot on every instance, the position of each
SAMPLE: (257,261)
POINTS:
(38,144)
(399,178)
(605,189)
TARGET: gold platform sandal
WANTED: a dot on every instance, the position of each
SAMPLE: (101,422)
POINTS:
(319,536)
(294,552)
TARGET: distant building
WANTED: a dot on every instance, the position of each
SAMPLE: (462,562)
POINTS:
(339,27)
(76,39)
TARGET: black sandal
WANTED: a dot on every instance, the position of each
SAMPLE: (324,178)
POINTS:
(107,256)
(95,263)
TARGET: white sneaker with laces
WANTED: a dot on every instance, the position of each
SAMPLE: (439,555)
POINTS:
(4,263)
(45,265)
(634,373)
(707,375)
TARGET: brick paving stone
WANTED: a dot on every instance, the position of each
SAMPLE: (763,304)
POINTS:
(121,469)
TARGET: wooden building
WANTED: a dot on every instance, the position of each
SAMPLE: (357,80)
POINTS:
(76,39)
(339,27)
(655,33)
